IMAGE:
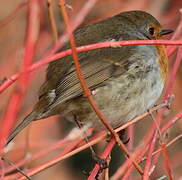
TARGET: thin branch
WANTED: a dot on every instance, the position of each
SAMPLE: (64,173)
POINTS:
(105,154)
(149,157)
(167,145)
(140,151)
(86,90)
(18,94)
(15,167)
(108,44)
(177,35)
(39,154)
(166,160)
(52,21)
(85,146)
(172,75)
(42,167)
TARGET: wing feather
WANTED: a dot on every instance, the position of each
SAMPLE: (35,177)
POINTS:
(96,71)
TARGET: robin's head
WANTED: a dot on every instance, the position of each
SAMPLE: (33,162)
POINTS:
(144,25)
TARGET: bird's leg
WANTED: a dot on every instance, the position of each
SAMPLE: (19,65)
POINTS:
(122,136)
(101,162)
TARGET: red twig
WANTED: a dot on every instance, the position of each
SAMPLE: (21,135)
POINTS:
(171,122)
(95,140)
(48,164)
(165,127)
(105,154)
(171,82)
(149,157)
(39,154)
(177,35)
(112,44)
(167,145)
(8,119)
(17,96)
(140,151)
(172,76)
(74,24)
(31,39)
(86,90)
(52,21)
(2,169)
(9,82)
(166,160)
(73,48)
(166,95)
(130,132)
(127,174)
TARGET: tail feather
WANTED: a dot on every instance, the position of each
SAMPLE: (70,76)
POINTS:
(28,119)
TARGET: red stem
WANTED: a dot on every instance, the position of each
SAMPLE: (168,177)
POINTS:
(112,44)
(17,97)
(37,155)
(86,90)
(140,151)
(33,27)
(177,35)
(105,154)
(45,165)
(172,75)
(62,54)
(149,157)
(9,118)
(166,160)
(164,129)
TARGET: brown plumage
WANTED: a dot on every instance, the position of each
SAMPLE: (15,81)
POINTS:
(125,81)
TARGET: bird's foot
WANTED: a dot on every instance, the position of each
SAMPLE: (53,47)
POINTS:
(101,162)
(123,136)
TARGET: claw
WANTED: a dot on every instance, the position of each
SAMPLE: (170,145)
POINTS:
(101,162)
(122,136)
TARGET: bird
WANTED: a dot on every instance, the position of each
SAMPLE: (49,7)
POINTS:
(125,81)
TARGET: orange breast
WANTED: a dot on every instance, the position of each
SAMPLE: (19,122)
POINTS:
(163,61)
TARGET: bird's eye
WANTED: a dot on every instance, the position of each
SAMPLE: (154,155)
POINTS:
(151,31)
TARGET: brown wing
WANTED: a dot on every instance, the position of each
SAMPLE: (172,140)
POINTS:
(109,29)
(97,67)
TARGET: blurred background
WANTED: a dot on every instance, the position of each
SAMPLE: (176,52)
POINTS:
(43,133)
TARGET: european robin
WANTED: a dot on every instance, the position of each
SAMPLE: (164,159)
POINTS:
(125,81)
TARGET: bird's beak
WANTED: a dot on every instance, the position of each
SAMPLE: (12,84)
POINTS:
(166,31)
